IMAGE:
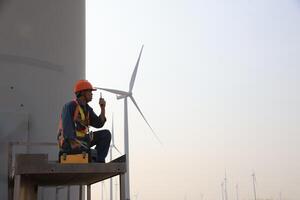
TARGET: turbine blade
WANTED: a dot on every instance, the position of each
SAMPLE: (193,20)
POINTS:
(134,102)
(113,137)
(118,92)
(135,71)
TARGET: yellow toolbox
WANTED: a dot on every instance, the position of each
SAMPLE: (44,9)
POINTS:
(74,158)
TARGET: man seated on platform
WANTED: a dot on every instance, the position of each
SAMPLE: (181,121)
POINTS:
(76,117)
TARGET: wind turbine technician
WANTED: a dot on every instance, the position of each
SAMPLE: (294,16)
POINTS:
(76,117)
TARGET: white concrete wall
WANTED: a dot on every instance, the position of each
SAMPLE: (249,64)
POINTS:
(42,54)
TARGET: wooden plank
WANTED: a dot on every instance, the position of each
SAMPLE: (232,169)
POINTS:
(51,173)
(39,165)
(70,179)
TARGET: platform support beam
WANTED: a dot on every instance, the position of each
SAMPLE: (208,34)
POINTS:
(122,187)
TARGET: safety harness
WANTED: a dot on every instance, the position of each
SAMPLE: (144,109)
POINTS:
(81,121)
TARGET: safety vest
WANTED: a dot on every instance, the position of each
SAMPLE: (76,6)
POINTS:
(81,121)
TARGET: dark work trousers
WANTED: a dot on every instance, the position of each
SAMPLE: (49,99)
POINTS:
(102,141)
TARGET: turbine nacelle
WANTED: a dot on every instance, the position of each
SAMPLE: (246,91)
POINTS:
(124,96)
(120,94)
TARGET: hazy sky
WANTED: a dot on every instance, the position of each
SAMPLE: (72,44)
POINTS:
(219,83)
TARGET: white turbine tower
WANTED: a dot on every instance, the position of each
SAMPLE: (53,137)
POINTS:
(124,95)
(112,146)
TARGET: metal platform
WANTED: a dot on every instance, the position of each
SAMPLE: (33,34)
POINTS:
(33,170)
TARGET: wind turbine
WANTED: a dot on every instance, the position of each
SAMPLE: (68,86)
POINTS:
(280,195)
(225,187)
(124,95)
(112,146)
(254,185)
(254,189)
(136,196)
(237,191)
(222,188)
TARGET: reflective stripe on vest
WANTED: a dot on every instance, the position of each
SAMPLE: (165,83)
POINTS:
(84,121)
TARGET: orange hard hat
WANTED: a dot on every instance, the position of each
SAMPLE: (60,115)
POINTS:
(83,85)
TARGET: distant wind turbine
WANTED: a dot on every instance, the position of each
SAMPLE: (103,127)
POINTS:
(112,146)
(136,196)
(254,188)
(222,190)
(280,196)
(124,95)
(237,191)
(225,188)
